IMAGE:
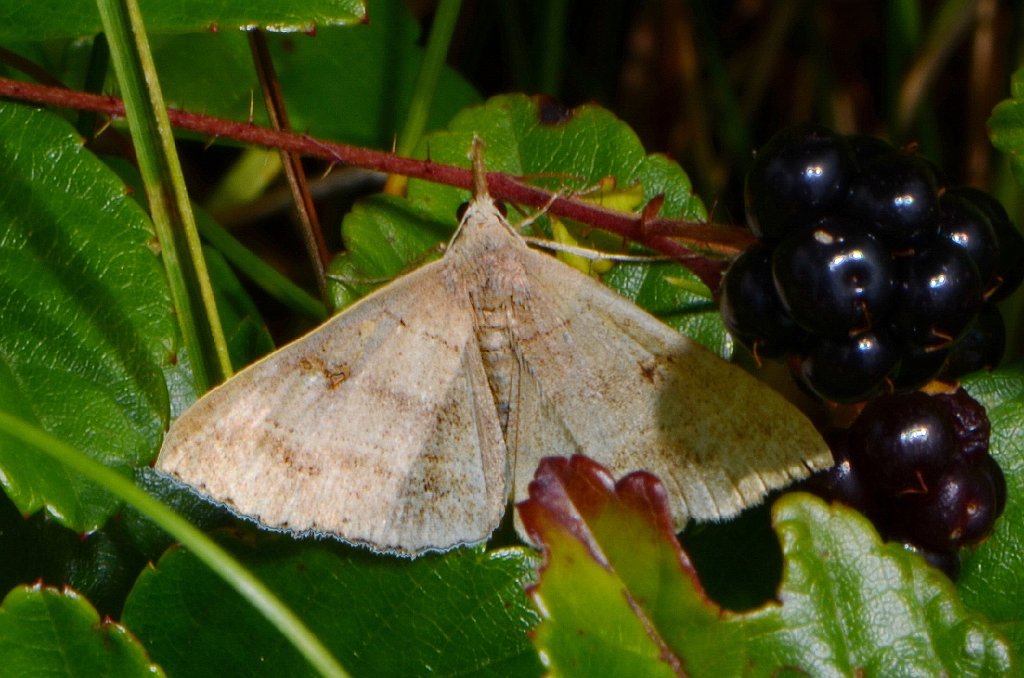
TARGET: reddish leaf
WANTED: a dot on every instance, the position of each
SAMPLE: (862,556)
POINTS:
(638,578)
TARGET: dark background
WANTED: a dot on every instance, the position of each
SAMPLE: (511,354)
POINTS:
(707,82)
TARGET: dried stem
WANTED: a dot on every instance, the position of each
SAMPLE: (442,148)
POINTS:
(309,223)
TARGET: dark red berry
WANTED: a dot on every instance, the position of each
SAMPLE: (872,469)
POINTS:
(970,424)
(905,440)
(995,473)
(957,509)
(842,482)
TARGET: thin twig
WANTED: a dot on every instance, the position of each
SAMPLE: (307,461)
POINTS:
(660,234)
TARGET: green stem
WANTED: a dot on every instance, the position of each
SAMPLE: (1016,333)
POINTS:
(552,52)
(445,17)
(263,275)
(246,180)
(165,188)
(205,549)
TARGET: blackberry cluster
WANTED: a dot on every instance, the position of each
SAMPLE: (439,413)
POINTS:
(918,467)
(868,272)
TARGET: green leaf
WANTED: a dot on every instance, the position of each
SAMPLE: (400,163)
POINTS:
(463,613)
(383,237)
(257,271)
(853,605)
(247,334)
(45,632)
(589,146)
(997,388)
(101,566)
(48,19)
(353,84)
(87,321)
(990,579)
(848,604)
(1006,126)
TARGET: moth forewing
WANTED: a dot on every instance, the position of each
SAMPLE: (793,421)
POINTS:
(378,427)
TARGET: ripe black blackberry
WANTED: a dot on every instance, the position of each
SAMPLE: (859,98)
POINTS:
(751,308)
(895,195)
(938,295)
(875,278)
(917,367)
(1009,266)
(850,369)
(981,348)
(833,277)
(802,171)
(965,225)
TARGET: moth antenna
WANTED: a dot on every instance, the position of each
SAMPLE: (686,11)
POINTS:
(344,280)
(327,170)
(479,171)
(103,128)
(526,223)
(592,254)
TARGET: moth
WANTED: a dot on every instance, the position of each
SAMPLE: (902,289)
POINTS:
(406,423)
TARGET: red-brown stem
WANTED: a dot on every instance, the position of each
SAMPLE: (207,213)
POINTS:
(662,235)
